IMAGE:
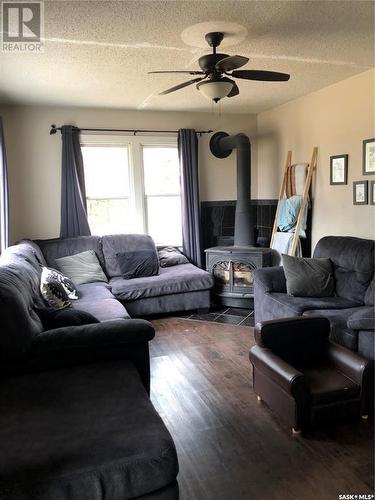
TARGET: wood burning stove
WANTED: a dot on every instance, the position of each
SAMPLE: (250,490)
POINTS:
(232,266)
(232,269)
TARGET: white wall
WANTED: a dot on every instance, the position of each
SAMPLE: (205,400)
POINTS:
(34,157)
(336,119)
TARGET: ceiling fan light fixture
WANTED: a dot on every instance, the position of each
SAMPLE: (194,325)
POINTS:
(215,89)
(212,82)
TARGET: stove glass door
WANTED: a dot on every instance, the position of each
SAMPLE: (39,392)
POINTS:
(242,276)
(221,272)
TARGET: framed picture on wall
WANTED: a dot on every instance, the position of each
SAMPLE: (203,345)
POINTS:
(372,192)
(360,192)
(338,170)
(368,157)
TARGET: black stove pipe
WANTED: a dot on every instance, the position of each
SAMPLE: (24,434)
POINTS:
(221,145)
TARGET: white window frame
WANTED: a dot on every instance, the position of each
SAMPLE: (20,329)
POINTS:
(134,143)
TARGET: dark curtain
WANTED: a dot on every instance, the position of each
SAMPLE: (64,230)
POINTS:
(4,193)
(73,193)
(188,156)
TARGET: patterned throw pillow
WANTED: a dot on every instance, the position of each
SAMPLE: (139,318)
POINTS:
(56,289)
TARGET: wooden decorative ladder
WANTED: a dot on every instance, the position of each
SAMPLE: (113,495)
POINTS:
(305,196)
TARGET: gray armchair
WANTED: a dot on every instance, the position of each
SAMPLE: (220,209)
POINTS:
(349,310)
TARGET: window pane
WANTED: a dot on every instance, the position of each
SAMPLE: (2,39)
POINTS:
(108,216)
(161,170)
(164,219)
(106,171)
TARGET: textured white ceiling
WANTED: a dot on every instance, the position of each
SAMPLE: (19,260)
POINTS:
(97,53)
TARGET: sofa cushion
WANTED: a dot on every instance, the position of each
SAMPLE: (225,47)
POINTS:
(101,437)
(162,304)
(298,305)
(363,319)
(353,262)
(370,294)
(328,385)
(340,333)
(61,247)
(94,291)
(97,299)
(176,279)
(118,243)
(82,267)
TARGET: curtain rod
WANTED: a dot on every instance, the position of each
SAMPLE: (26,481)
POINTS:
(54,129)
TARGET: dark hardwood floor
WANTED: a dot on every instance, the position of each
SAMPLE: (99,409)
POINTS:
(231,447)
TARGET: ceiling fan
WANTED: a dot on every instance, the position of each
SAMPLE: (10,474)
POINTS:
(213,84)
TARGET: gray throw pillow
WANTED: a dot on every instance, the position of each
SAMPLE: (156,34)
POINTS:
(82,268)
(138,264)
(308,277)
(170,256)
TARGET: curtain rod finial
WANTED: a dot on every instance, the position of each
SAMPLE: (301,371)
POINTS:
(53,130)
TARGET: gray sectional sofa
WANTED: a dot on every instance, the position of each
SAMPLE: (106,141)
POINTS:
(350,310)
(76,420)
(177,288)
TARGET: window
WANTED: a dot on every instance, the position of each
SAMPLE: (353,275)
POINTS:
(107,188)
(162,192)
(132,185)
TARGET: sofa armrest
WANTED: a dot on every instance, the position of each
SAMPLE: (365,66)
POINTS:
(93,336)
(294,333)
(359,369)
(350,363)
(75,345)
(363,319)
(271,279)
(279,371)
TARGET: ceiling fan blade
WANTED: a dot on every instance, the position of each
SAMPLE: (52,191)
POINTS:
(235,90)
(231,62)
(263,76)
(186,72)
(180,86)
